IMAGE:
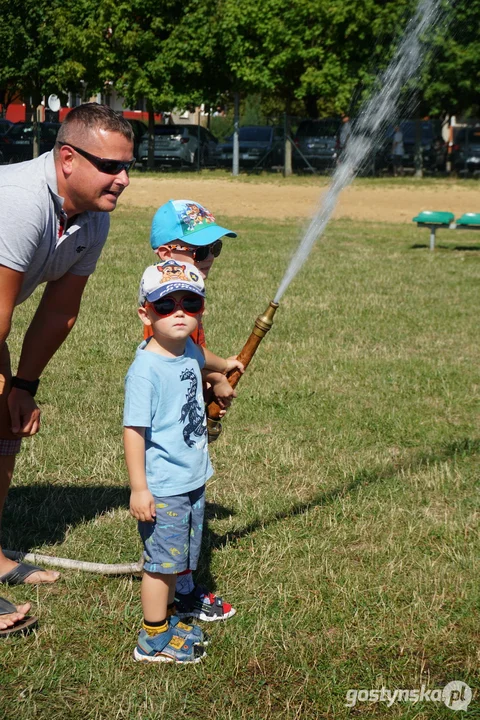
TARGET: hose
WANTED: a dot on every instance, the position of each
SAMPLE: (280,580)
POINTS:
(67,564)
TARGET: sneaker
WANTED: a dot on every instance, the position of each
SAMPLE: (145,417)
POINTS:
(167,647)
(203,605)
(182,630)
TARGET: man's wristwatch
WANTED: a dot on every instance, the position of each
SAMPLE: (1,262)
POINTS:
(31,386)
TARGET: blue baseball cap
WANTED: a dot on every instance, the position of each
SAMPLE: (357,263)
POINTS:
(185,220)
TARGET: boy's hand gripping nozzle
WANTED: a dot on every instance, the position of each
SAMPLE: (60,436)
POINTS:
(263,323)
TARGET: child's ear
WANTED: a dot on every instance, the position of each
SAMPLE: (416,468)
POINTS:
(163,252)
(143,315)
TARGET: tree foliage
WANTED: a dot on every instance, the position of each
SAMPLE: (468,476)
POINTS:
(307,56)
(45,46)
(155,49)
(313,54)
(452,77)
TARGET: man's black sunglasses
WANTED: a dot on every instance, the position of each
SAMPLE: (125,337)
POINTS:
(202,252)
(109,167)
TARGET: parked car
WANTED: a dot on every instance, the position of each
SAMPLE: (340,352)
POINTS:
(317,141)
(180,145)
(434,149)
(466,150)
(5,126)
(17,144)
(139,130)
(260,145)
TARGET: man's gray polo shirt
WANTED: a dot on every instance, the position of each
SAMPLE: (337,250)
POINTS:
(30,211)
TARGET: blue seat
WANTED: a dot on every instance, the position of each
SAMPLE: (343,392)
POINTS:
(469,221)
(434,219)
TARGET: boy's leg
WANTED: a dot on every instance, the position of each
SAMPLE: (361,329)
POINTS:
(164,638)
(185,584)
(202,604)
(157,641)
(194,601)
(157,592)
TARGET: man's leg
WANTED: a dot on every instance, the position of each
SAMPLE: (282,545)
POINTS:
(7,464)
(9,446)
(8,620)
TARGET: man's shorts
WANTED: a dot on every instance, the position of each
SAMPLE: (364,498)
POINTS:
(9,443)
(172,542)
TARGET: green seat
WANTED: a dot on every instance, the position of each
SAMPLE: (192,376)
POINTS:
(469,220)
(434,217)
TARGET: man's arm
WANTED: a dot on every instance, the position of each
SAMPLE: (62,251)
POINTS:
(10,286)
(21,403)
(55,317)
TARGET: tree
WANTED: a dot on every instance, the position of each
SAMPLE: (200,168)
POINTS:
(155,50)
(451,81)
(44,44)
(315,55)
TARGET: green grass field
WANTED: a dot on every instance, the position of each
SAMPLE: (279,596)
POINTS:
(343,515)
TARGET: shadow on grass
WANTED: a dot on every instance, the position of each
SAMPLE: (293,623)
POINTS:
(40,514)
(439,246)
(462,448)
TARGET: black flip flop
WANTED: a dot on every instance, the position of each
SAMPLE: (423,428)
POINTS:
(22,626)
(18,574)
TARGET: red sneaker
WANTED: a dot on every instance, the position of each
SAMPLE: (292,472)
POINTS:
(203,605)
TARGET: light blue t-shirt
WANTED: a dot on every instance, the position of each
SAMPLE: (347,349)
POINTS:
(164,395)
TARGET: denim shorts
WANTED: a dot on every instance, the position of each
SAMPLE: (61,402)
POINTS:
(171,544)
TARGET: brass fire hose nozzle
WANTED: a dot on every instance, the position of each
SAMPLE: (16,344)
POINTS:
(264,322)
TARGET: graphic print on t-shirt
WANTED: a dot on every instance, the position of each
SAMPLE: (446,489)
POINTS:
(192,410)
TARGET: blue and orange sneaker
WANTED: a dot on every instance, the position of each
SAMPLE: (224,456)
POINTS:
(167,647)
(183,630)
(203,605)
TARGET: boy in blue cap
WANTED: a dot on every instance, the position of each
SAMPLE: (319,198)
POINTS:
(166,452)
(184,230)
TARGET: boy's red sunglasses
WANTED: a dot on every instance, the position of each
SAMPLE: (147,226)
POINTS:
(191,304)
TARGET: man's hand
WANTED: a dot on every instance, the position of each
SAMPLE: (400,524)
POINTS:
(142,505)
(24,413)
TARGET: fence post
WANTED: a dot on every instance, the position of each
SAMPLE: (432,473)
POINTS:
(199,141)
(235,167)
(287,162)
(418,149)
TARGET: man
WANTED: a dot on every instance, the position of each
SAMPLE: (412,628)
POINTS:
(53,224)
(397,151)
(345,133)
